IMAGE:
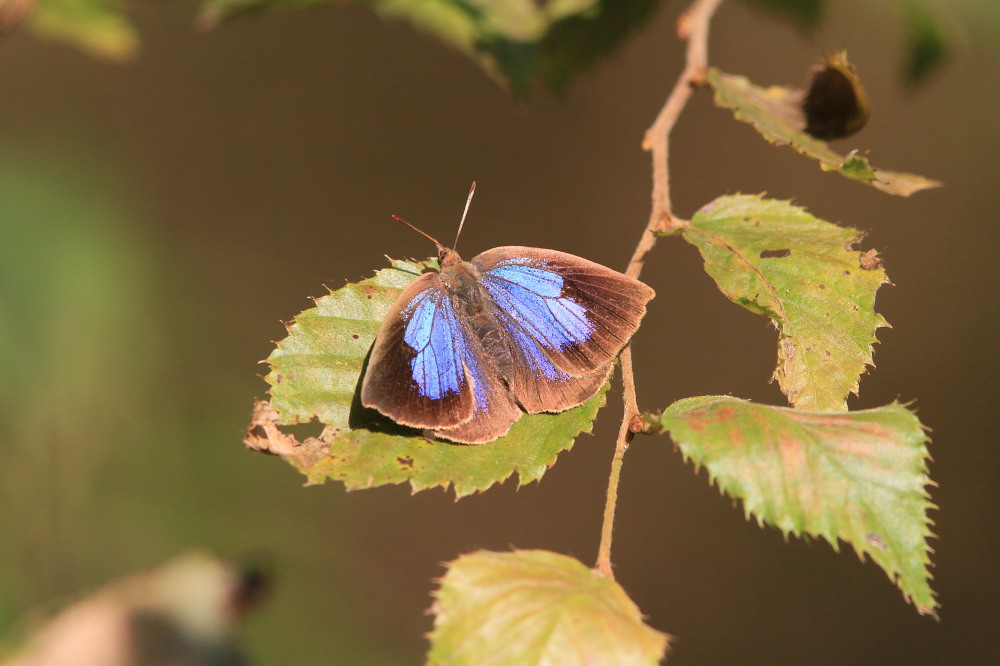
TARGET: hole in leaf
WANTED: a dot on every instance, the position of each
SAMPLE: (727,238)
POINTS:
(775,254)
(303,431)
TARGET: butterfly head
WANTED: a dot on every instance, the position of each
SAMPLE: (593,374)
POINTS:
(446,255)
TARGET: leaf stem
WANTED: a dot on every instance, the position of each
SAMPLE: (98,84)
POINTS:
(693,26)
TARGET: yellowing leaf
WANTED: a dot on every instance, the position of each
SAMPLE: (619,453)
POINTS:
(776,259)
(857,476)
(316,373)
(775,112)
(533,607)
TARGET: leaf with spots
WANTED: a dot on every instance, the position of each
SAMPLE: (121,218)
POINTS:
(533,607)
(776,259)
(860,476)
(778,114)
(316,374)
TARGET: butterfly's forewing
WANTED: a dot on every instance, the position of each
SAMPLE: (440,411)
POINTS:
(428,368)
(423,385)
(578,313)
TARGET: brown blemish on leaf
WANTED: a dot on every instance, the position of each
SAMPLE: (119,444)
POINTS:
(406,462)
(263,435)
(775,254)
(696,422)
(793,454)
(725,414)
(870,260)
(875,541)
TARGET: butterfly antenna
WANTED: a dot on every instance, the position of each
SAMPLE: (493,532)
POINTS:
(468,202)
(422,233)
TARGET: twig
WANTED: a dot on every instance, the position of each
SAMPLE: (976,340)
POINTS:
(692,26)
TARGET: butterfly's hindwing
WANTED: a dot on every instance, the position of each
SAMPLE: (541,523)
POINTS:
(537,384)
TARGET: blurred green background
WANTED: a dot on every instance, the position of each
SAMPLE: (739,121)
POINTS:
(159,219)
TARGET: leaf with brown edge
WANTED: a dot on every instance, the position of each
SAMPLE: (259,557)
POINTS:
(776,113)
(315,375)
(776,259)
(534,607)
(860,476)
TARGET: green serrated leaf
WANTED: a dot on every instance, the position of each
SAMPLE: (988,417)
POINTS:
(860,476)
(776,113)
(316,372)
(98,27)
(518,42)
(533,607)
(776,259)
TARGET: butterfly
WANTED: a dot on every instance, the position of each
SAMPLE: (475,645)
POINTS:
(466,350)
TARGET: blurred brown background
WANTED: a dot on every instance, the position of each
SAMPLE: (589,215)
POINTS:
(159,219)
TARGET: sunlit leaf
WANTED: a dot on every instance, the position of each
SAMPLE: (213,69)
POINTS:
(776,113)
(776,259)
(519,42)
(860,476)
(534,607)
(316,373)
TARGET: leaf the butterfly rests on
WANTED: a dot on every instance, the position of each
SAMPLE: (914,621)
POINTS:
(465,351)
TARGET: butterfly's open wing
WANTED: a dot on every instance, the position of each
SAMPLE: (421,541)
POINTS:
(428,370)
(566,318)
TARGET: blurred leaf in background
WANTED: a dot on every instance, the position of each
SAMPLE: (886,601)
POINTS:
(97,27)
(519,42)
(79,353)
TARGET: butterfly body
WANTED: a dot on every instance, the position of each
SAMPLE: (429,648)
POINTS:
(466,350)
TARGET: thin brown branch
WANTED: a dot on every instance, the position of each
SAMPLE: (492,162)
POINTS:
(624,437)
(692,26)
